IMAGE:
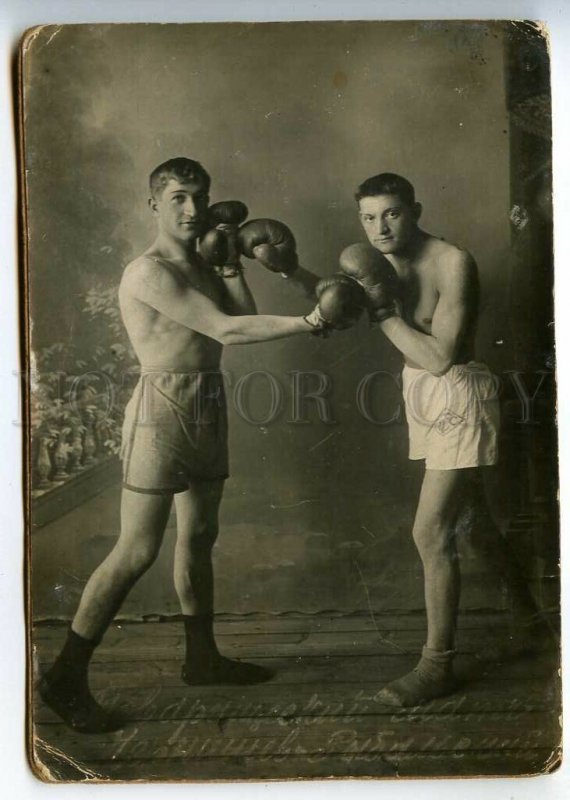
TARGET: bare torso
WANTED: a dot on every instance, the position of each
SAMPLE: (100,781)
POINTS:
(159,342)
(421,280)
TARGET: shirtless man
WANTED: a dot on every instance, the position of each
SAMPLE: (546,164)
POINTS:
(452,413)
(179,314)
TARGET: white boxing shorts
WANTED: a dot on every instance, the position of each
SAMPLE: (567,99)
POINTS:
(453,419)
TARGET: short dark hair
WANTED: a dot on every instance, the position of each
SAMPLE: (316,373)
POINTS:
(387,183)
(180,169)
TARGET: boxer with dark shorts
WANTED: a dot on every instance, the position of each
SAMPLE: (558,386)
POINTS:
(179,312)
(175,431)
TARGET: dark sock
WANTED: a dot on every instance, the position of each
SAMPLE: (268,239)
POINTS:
(205,665)
(200,642)
(69,670)
(432,677)
(65,689)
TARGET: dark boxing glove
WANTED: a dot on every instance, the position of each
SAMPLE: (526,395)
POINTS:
(228,212)
(374,273)
(341,303)
(214,248)
(271,243)
(220,245)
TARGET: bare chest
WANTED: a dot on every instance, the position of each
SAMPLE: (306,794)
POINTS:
(419,298)
(142,320)
(207,284)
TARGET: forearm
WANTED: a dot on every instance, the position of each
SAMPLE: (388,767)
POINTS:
(262,328)
(421,348)
(238,299)
(304,281)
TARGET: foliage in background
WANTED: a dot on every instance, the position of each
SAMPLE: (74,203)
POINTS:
(69,393)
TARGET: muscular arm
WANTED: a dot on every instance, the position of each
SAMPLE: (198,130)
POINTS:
(237,298)
(156,286)
(436,352)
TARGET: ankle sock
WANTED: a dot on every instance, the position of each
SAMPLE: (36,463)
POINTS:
(431,677)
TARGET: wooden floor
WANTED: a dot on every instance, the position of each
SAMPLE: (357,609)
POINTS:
(317,717)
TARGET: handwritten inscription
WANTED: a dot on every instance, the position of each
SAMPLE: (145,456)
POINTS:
(347,743)
(197,727)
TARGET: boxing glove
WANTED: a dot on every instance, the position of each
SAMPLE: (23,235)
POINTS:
(271,243)
(214,248)
(219,246)
(228,212)
(374,273)
(341,301)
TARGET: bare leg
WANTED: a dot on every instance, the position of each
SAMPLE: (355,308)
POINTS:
(143,521)
(197,525)
(197,528)
(65,686)
(434,535)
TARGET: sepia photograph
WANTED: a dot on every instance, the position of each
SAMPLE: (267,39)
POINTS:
(290,401)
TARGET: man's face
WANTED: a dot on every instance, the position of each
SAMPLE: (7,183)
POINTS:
(389,222)
(181,209)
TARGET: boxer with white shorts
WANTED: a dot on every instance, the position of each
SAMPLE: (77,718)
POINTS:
(423,295)
(453,419)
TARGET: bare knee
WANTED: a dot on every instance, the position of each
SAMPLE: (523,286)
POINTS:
(434,540)
(134,561)
(199,540)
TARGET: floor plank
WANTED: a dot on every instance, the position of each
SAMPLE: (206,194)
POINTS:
(291,622)
(133,645)
(313,670)
(363,765)
(293,699)
(319,716)
(254,735)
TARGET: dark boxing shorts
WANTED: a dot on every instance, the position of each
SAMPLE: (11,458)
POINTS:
(175,432)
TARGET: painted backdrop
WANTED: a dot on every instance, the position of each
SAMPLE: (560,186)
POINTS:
(288,118)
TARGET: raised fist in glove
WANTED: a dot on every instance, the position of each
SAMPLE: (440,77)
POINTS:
(220,245)
(341,303)
(271,243)
(374,273)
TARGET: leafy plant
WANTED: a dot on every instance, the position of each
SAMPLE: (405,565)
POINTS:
(70,394)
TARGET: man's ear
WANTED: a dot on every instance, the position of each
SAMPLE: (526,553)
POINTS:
(418,208)
(152,205)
